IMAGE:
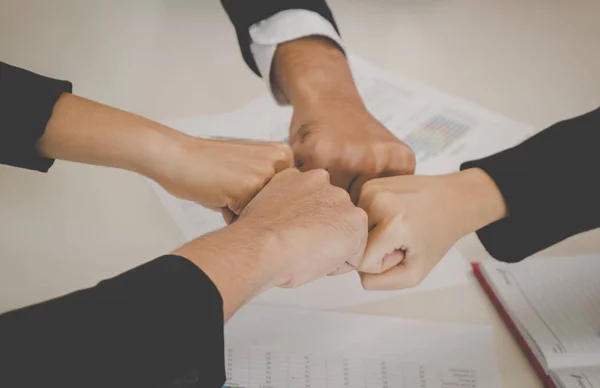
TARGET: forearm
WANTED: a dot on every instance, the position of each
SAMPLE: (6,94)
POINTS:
(84,131)
(240,261)
(150,326)
(314,71)
(549,184)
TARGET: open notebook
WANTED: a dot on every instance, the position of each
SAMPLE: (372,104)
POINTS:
(552,306)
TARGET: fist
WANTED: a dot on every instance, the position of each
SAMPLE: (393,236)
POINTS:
(317,229)
(413,222)
(223,175)
(350,143)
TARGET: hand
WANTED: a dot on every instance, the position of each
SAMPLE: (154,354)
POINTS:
(331,128)
(223,175)
(318,230)
(350,143)
(298,228)
(415,220)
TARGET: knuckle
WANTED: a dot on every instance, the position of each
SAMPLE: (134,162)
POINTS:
(281,150)
(368,190)
(289,173)
(360,216)
(324,148)
(305,132)
(339,195)
(319,176)
(370,163)
(253,183)
(382,199)
(408,159)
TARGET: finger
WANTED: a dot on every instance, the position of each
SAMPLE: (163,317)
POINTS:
(369,191)
(288,173)
(384,239)
(251,186)
(376,209)
(392,260)
(285,157)
(399,277)
(229,216)
(340,178)
(357,185)
(307,159)
(402,162)
(342,269)
(314,152)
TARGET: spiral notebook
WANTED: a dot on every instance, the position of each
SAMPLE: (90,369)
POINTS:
(552,307)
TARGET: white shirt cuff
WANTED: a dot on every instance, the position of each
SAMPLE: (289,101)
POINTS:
(283,27)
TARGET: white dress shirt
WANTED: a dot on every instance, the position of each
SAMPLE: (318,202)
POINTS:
(280,28)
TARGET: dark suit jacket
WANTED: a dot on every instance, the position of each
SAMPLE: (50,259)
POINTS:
(159,325)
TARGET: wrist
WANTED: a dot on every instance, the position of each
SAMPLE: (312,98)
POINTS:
(239,259)
(162,151)
(479,200)
(314,71)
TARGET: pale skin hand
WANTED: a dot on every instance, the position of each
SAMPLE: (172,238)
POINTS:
(331,128)
(222,175)
(415,220)
(225,175)
(297,229)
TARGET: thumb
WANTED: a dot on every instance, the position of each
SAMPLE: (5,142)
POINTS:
(383,247)
(404,275)
(228,215)
(311,155)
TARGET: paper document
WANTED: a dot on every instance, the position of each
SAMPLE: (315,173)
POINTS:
(346,290)
(556,303)
(577,377)
(442,130)
(287,348)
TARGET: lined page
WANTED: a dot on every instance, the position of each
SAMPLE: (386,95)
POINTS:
(577,378)
(556,301)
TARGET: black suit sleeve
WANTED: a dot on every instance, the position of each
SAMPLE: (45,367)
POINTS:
(159,325)
(245,13)
(551,187)
(26,103)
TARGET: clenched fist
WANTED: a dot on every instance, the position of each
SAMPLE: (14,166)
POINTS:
(223,175)
(316,228)
(415,220)
(331,127)
(350,143)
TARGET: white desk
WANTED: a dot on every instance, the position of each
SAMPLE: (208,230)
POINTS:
(536,62)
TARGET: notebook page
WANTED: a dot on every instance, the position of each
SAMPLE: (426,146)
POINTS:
(290,348)
(557,303)
(577,378)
